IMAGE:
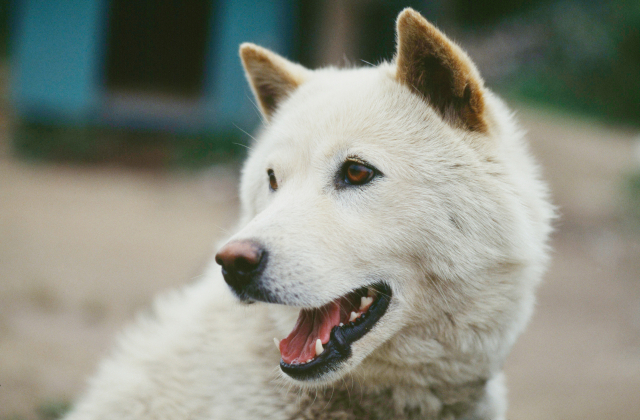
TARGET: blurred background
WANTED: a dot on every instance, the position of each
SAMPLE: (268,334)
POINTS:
(123,124)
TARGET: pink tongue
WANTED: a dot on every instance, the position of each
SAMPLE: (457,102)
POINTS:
(300,344)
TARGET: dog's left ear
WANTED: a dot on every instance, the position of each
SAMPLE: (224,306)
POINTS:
(437,69)
(272,78)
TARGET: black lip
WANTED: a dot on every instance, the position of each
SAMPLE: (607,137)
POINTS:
(338,349)
(255,293)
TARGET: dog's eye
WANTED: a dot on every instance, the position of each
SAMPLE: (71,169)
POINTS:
(273,182)
(357,174)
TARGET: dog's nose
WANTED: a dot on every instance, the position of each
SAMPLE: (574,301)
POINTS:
(240,262)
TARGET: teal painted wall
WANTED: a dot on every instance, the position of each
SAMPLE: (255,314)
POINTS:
(58,60)
(267,23)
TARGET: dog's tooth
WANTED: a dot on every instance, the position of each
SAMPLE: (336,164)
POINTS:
(353,317)
(275,340)
(365,302)
(341,325)
(319,348)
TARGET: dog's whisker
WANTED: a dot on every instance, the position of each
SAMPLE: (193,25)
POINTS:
(333,389)
(242,145)
(225,231)
(256,108)
(346,387)
(198,277)
(245,132)
(353,376)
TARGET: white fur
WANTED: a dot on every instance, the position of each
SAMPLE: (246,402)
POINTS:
(457,226)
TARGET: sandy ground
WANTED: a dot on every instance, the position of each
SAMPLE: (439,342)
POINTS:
(82,249)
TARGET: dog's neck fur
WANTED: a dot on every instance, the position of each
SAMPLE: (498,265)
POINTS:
(388,386)
(350,402)
(428,390)
(355,398)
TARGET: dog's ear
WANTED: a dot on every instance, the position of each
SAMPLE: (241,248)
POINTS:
(272,78)
(437,69)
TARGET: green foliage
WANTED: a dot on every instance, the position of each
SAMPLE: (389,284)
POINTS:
(53,410)
(591,60)
(4,27)
(633,196)
(483,12)
(90,144)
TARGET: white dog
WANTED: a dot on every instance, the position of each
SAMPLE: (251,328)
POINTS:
(396,213)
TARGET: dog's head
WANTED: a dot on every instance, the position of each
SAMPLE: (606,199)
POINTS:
(394,207)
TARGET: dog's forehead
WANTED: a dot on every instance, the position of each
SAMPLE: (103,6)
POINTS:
(342,109)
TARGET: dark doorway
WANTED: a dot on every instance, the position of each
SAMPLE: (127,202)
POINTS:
(158,47)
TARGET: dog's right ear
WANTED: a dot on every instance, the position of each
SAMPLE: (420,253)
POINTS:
(272,78)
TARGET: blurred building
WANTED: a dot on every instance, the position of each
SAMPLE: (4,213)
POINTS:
(167,65)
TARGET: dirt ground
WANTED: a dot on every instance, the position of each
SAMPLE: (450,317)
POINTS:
(82,249)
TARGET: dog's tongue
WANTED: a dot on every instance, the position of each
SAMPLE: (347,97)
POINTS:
(300,344)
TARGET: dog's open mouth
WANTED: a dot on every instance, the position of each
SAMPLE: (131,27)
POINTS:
(322,337)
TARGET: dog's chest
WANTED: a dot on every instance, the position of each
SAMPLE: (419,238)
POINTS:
(349,402)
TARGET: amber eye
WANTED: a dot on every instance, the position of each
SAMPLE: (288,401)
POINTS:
(358,174)
(273,182)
